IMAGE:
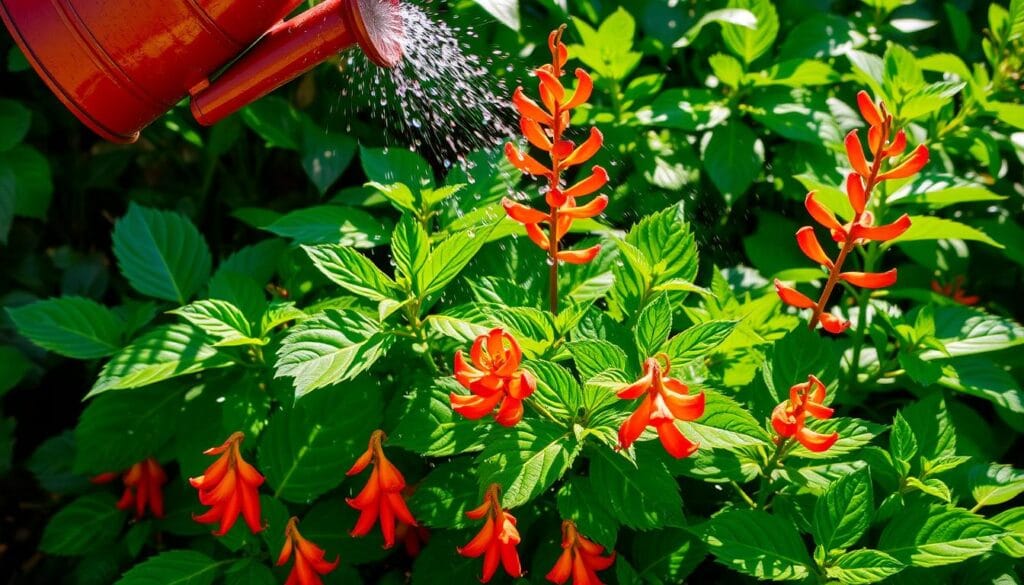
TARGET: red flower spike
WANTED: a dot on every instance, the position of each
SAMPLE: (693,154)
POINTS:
(579,256)
(870,279)
(792,297)
(310,564)
(810,246)
(381,498)
(868,109)
(954,290)
(883,144)
(494,379)
(789,418)
(581,559)
(544,125)
(498,538)
(665,400)
(229,486)
(143,488)
(522,213)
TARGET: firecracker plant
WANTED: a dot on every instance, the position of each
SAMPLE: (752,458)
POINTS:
(399,388)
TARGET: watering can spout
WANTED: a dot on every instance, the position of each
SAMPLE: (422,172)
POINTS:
(118,65)
(293,47)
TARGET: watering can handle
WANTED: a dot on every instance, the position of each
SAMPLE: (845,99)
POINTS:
(295,46)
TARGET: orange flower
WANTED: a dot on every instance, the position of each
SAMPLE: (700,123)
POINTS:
(493,378)
(382,496)
(860,183)
(229,486)
(789,418)
(497,540)
(143,486)
(581,559)
(954,290)
(665,400)
(310,564)
(544,125)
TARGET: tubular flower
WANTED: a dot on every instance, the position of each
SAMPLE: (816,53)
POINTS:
(310,564)
(498,538)
(382,496)
(544,125)
(494,379)
(883,145)
(229,486)
(580,559)
(665,400)
(789,418)
(954,290)
(143,487)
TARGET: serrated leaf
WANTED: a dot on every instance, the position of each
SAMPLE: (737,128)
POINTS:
(163,353)
(447,260)
(526,459)
(220,319)
(926,227)
(443,497)
(352,271)
(644,496)
(725,424)
(757,544)
(410,246)
(249,572)
(854,434)
(579,502)
(931,536)
(750,43)
(654,324)
(307,448)
(176,567)
(1013,521)
(698,341)
(331,347)
(331,224)
(967,331)
(843,513)
(75,327)
(902,442)
(593,356)
(932,486)
(732,159)
(161,253)
(992,484)
(557,389)
(86,524)
(863,566)
(430,427)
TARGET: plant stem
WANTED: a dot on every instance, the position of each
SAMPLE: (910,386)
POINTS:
(746,498)
(766,472)
(543,411)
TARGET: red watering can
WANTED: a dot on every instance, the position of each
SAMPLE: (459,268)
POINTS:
(120,64)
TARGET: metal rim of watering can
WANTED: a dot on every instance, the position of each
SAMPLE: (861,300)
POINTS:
(58,89)
(381,42)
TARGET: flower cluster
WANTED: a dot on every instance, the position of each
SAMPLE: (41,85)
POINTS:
(143,487)
(381,498)
(310,564)
(498,538)
(954,289)
(229,486)
(494,379)
(581,559)
(860,183)
(789,419)
(665,400)
(544,125)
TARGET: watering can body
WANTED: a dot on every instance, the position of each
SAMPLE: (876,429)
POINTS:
(120,64)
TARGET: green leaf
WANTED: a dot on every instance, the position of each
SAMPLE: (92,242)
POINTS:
(249,572)
(854,434)
(593,356)
(410,245)
(932,486)
(175,567)
(926,227)
(843,513)
(734,16)
(325,155)
(430,427)
(863,566)
(307,448)
(981,377)
(165,352)
(86,524)
(992,484)
(75,327)
(939,191)
(666,557)
(161,253)
(447,260)
(331,347)
(726,68)
(750,43)
(331,224)
(684,109)
(580,502)
(1013,521)
(698,341)
(653,326)
(725,424)
(352,271)
(902,442)
(276,121)
(644,496)
(526,459)
(733,159)
(931,536)
(7,426)
(557,389)
(757,544)
(609,49)
(147,419)
(443,497)
(220,319)
(15,120)
(33,181)
(388,166)
(966,331)
(505,11)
